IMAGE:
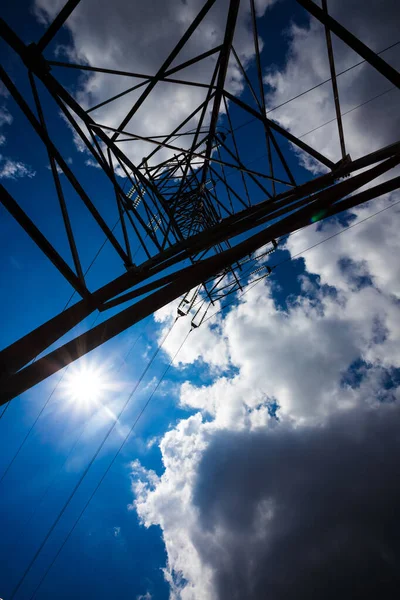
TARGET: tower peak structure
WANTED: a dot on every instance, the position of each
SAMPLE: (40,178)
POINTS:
(194,214)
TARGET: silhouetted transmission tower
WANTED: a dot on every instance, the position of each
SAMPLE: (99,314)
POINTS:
(194,205)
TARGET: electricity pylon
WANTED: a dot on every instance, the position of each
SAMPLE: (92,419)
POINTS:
(194,205)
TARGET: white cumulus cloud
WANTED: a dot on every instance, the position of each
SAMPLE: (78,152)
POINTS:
(282,483)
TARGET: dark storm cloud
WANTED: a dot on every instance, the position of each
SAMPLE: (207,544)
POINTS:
(304,513)
(300,512)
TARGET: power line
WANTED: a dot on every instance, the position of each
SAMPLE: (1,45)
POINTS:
(77,485)
(70,452)
(315,87)
(292,257)
(37,418)
(59,470)
(234,172)
(348,111)
(110,464)
(4,409)
(338,233)
(64,373)
(330,79)
(32,427)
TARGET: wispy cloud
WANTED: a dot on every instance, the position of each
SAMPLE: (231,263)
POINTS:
(14,169)
(146,596)
(92,163)
(5,116)
(5,119)
(116,531)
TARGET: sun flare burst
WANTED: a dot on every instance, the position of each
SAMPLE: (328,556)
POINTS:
(86,385)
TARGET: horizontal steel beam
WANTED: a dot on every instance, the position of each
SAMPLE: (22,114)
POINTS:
(191,276)
(22,351)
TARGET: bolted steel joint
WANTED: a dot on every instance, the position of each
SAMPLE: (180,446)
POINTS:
(35,61)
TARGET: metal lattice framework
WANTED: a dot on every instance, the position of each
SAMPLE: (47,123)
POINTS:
(197,228)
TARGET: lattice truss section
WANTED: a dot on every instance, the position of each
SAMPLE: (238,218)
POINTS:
(193,211)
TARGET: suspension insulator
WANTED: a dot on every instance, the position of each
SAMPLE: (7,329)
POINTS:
(200,315)
(266,267)
(275,245)
(187,302)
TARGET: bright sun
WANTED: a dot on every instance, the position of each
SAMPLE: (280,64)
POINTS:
(85,384)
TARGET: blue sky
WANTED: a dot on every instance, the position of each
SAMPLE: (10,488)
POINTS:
(320,340)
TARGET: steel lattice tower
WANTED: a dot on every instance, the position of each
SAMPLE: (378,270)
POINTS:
(197,229)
